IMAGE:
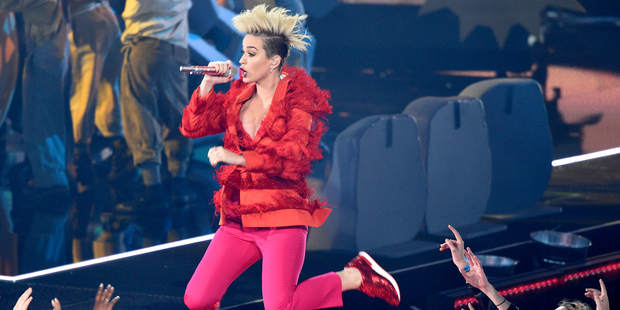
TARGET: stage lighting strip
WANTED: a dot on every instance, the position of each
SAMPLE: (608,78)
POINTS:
(540,286)
(108,258)
(584,157)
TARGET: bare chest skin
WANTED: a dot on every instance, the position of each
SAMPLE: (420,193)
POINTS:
(252,114)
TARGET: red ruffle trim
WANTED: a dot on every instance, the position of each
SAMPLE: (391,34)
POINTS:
(295,148)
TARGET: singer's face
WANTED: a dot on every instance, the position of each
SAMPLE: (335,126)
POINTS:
(254,61)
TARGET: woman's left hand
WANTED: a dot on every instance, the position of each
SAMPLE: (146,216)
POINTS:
(218,154)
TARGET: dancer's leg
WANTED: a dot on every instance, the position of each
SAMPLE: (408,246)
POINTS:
(229,254)
(283,256)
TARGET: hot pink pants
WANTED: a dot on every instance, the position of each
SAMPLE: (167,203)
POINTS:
(234,249)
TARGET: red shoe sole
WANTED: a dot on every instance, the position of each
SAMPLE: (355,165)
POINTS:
(380,271)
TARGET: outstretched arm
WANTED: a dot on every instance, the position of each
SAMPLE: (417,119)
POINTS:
(470,267)
(600,297)
(476,278)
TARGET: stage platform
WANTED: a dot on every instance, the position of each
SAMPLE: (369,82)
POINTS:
(370,77)
(156,279)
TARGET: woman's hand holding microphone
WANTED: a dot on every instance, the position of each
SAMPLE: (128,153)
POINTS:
(221,67)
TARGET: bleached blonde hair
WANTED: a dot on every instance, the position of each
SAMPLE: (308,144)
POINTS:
(279,30)
(566,304)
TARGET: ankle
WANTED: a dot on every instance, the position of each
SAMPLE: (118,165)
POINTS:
(351,278)
(150,173)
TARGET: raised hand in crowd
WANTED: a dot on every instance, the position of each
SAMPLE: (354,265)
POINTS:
(470,267)
(24,300)
(600,297)
(456,247)
(103,299)
(56,304)
(476,278)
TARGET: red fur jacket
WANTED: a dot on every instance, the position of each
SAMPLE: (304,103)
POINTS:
(271,190)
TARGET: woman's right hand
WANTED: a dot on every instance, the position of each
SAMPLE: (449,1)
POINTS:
(210,80)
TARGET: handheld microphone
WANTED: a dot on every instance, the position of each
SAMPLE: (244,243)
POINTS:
(204,70)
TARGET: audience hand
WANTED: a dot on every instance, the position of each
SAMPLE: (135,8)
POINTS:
(600,297)
(457,248)
(103,299)
(475,276)
(24,300)
(56,304)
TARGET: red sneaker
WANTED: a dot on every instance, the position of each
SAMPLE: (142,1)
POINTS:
(376,282)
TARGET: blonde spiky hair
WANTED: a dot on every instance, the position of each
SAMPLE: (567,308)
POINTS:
(273,23)
(566,304)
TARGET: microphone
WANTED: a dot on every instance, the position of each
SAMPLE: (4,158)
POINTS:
(204,70)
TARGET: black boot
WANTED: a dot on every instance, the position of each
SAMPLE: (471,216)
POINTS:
(152,202)
(84,168)
(180,193)
(122,169)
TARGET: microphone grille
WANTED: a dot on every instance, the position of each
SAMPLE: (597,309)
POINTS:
(233,71)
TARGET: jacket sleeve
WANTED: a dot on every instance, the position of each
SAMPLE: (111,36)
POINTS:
(204,116)
(291,156)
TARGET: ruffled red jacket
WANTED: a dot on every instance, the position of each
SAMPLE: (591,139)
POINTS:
(271,190)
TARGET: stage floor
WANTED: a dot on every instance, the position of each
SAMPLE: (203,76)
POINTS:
(585,191)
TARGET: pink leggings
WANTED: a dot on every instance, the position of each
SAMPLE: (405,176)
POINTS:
(234,249)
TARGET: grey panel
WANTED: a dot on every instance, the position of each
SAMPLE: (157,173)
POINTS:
(520,142)
(378,185)
(458,159)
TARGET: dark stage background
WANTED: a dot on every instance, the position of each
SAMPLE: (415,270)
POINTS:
(375,59)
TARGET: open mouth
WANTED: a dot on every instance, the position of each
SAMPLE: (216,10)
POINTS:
(243,73)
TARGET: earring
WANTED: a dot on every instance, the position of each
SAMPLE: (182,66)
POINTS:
(271,69)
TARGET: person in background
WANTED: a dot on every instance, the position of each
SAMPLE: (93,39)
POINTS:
(47,199)
(153,95)
(95,102)
(273,119)
(9,71)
